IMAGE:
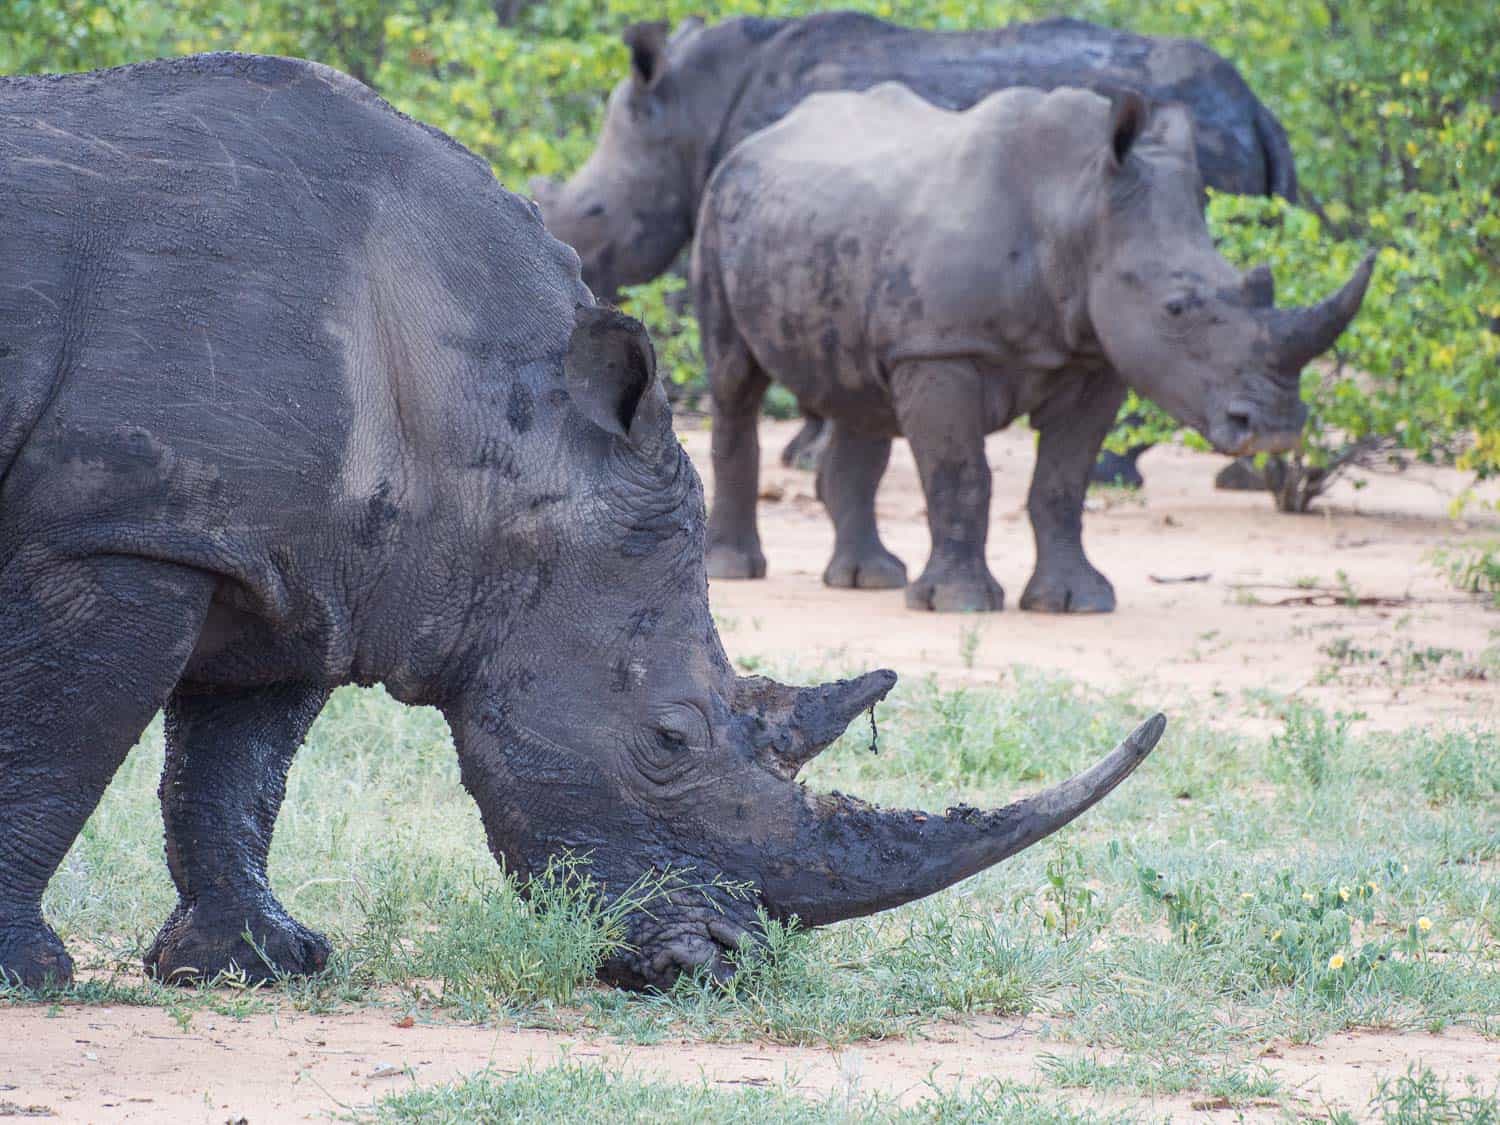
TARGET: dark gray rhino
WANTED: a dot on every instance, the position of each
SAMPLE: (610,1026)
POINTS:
(693,95)
(293,395)
(905,269)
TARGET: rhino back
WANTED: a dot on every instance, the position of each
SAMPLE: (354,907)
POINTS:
(259,324)
(233,284)
(932,237)
(852,51)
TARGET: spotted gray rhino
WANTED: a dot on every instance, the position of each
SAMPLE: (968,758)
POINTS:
(907,269)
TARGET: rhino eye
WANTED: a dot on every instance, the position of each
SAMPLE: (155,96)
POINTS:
(1181,303)
(672,741)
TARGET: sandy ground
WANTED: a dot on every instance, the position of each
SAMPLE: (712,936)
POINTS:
(1196,645)
(1180,645)
(136,1064)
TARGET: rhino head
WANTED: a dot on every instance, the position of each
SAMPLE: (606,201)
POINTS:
(1177,321)
(630,208)
(606,721)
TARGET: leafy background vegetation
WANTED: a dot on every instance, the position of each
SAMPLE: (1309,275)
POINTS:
(1391,107)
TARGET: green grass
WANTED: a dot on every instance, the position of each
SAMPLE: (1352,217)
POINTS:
(1234,892)
(569,1092)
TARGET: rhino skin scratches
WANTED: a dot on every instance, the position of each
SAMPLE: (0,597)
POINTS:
(691,97)
(294,395)
(907,269)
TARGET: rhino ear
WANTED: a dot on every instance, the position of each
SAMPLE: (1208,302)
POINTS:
(648,50)
(1127,120)
(611,369)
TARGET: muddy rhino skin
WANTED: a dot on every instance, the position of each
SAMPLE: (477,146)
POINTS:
(294,395)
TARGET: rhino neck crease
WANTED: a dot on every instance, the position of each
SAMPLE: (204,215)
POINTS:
(735,122)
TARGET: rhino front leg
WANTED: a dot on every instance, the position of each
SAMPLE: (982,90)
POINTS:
(1072,428)
(225,777)
(89,649)
(941,407)
(848,476)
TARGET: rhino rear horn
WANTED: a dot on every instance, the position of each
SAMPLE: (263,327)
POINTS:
(795,725)
(1260,288)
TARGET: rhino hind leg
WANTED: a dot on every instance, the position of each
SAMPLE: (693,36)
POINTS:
(941,407)
(89,649)
(737,385)
(221,789)
(805,450)
(1071,427)
(848,477)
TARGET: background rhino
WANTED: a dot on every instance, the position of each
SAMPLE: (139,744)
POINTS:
(904,269)
(293,395)
(691,97)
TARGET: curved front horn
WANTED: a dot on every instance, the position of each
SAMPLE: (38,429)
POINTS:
(851,859)
(1301,335)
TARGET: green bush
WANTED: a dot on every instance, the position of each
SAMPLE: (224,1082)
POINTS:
(1391,109)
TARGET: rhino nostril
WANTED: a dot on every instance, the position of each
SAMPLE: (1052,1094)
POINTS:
(1239,419)
(594,212)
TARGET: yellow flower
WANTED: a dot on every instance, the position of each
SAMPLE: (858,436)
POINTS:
(1336,962)
(1424,923)
(1374,890)
(1344,893)
(1276,936)
(1246,896)
(1308,896)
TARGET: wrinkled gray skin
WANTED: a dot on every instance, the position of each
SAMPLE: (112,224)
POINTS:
(904,269)
(293,395)
(691,97)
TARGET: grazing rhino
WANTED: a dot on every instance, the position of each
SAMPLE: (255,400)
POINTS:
(293,395)
(691,97)
(905,269)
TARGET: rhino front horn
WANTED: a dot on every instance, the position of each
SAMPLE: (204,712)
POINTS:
(1302,335)
(852,859)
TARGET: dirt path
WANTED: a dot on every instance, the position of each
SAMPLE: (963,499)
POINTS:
(136,1064)
(1198,644)
(1178,643)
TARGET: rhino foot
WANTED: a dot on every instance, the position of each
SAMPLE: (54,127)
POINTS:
(728,561)
(1241,475)
(1118,469)
(33,957)
(874,570)
(195,947)
(1077,589)
(954,588)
